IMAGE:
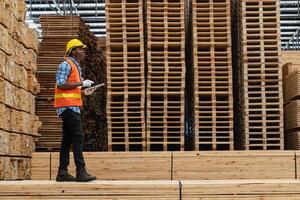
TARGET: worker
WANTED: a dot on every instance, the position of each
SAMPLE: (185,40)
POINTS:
(68,101)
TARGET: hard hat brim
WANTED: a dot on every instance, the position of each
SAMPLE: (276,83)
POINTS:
(83,46)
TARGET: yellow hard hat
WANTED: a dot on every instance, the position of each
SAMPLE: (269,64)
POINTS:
(74,43)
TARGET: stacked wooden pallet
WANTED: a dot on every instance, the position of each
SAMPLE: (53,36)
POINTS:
(165,75)
(18,88)
(260,75)
(125,75)
(213,94)
(57,31)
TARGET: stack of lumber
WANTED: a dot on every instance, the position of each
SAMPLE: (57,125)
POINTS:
(291,91)
(148,190)
(145,190)
(202,165)
(165,75)
(18,88)
(213,93)
(260,77)
(57,31)
(125,76)
(291,94)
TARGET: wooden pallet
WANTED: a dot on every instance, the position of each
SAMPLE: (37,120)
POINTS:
(125,76)
(165,77)
(260,72)
(213,125)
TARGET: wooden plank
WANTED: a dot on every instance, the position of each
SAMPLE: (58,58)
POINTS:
(297,164)
(233,165)
(241,189)
(40,166)
(122,166)
(94,190)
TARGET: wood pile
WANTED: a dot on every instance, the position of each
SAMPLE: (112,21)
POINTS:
(146,190)
(213,95)
(140,116)
(291,93)
(18,89)
(260,99)
(165,75)
(149,190)
(202,165)
(57,31)
(125,76)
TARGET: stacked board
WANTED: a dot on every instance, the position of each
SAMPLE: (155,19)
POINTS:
(291,94)
(18,89)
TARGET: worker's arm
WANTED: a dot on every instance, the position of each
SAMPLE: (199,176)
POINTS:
(62,76)
(69,86)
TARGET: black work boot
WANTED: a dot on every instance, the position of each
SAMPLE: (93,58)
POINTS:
(83,176)
(63,175)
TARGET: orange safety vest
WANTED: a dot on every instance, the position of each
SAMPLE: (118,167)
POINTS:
(65,98)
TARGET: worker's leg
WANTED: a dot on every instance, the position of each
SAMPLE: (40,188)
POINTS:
(73,126)
(64,156)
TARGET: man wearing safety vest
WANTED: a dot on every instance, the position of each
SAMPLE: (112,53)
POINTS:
(68,101)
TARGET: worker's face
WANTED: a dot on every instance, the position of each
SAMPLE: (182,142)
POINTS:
(78,53)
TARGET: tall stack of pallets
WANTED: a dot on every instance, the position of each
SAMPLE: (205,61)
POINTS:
(165,74)
(125,76)
(18,88)
(213,93)
(57,31)
(261,78)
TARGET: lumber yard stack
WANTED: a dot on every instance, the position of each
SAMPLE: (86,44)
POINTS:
(140,116)
(18,89)
(57,31)
(165,75)
(235,53)
(125,76)
(212,75)
(258,75)
(291,95)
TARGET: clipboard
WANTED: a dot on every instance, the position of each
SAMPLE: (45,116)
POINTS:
(95,87)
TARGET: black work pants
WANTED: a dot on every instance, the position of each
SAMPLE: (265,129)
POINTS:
(72,135)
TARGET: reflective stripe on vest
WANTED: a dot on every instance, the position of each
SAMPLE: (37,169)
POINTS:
(72,97)
(76,96)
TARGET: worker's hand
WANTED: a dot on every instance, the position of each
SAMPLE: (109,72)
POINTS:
(87,83)
(88,91)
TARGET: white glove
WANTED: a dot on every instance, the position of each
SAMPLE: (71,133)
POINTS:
(87,83)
